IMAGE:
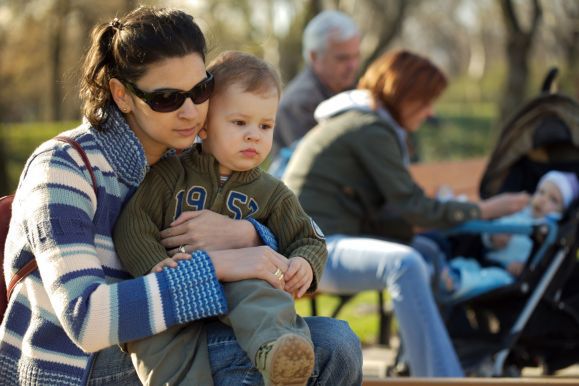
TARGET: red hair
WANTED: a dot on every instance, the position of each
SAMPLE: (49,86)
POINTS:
(400,77)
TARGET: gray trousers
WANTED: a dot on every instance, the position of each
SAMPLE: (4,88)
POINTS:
(258,313)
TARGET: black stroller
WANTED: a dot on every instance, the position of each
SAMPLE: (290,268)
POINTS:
(533,322)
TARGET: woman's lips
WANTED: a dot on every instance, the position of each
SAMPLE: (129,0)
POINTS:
(187,132)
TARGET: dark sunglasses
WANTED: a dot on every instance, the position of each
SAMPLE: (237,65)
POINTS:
(171,100)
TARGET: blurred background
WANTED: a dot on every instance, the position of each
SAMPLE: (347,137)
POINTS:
(496,53)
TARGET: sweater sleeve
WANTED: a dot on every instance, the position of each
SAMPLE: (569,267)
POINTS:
(378,150)
(297,232)
(54,207)
(265,234)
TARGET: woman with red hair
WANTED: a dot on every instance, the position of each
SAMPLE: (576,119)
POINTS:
(350,173)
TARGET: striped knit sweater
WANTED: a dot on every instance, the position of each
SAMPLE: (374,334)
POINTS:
(80,300)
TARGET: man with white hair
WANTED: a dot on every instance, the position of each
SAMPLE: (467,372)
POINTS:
(331,50)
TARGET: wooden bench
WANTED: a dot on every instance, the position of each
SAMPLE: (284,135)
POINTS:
(552,381)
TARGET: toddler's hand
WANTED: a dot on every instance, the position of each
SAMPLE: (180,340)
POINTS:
(298,276)
(170,262)
(515,268)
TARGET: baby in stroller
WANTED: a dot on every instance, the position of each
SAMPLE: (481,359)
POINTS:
(464,278)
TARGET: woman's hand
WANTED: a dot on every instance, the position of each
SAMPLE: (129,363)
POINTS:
(503,204)
(298,277)
(209,231)
(250,263)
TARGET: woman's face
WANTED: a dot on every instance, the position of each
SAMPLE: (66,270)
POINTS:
(413,114)
(177,129)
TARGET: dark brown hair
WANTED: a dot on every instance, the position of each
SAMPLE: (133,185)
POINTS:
(125,47)
(402,76)
(248,71)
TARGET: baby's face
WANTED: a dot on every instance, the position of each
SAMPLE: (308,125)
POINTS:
(547,199)
(240,128)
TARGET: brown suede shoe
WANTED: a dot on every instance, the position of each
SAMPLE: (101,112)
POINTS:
(287,361)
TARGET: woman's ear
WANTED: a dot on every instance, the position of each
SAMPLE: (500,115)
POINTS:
(120,95)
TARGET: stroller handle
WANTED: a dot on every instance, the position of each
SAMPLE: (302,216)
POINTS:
(545,229)
(545,226)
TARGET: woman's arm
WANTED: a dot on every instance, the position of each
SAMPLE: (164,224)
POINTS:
(257,263)
(503,204)
(211,231)
(81,285)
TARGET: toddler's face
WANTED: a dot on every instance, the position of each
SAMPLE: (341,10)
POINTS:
(239,130)
(547,199)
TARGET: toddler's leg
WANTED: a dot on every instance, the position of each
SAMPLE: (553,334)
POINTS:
(337,349)
(269,330)
(175,356)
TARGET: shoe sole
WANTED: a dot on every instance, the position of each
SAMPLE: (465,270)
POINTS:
(292,361)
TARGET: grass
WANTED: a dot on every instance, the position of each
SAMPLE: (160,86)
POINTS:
(361,313)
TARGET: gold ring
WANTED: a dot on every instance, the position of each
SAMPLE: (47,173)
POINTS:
(182,249)
(279,274)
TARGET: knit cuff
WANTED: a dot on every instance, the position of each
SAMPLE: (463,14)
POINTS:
(195,292)
(264,233)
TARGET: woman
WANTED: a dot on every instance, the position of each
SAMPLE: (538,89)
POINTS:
(65,321)
(351,175)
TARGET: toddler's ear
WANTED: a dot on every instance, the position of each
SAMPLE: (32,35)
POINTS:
(203,133)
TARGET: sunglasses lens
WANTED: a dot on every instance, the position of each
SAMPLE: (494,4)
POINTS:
(166,102)
(203,91)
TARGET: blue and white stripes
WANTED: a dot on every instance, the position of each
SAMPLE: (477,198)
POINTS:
(83,302)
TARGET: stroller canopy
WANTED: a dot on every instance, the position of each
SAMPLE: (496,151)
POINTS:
(542,136)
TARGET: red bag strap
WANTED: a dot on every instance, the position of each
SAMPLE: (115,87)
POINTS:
(31,266)
(83,155)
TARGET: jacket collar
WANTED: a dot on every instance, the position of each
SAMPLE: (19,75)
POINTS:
(361,100)
(206,164)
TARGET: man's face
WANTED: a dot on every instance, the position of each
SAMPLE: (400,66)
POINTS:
(338,65)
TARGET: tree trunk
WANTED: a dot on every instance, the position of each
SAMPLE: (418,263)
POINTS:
(290,47)
(389,30)
(518,48)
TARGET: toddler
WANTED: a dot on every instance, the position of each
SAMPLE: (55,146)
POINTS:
(222,174)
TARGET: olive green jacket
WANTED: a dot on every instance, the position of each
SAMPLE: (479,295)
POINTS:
(191,182)
(349,175)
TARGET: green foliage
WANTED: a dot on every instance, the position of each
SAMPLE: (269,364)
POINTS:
(460,131)
(20,140)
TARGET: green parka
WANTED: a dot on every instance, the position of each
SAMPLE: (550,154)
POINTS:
(349,175)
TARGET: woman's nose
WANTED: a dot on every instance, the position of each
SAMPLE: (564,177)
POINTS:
(189,110)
